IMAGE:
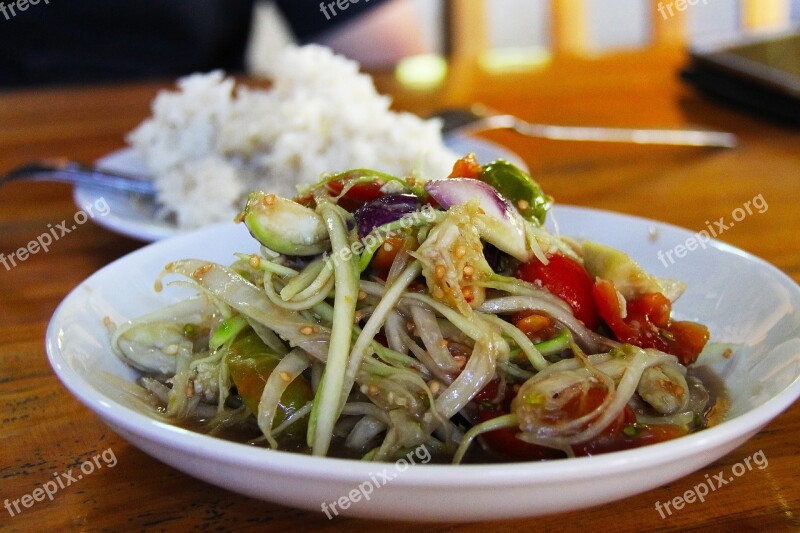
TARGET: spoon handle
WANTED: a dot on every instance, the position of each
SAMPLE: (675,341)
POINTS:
(71,172)
(479,118)
(713,139)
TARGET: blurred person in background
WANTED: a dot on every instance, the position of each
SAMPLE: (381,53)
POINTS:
(82,41)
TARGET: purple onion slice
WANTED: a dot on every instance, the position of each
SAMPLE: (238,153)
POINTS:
(505,227)
(384,210)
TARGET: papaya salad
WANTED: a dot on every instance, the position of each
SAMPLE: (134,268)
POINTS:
(384,313)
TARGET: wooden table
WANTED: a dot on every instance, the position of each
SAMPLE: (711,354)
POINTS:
(45,430)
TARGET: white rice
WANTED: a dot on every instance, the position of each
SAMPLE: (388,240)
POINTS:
(210,143)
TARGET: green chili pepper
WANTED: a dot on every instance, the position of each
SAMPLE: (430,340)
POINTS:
(519,188)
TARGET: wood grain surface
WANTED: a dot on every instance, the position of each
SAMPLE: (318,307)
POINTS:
(44,430)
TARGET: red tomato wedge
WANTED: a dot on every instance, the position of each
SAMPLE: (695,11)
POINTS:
(467,167)
(648,324)
(357,195)
(567,279)
(642,436)
(505,442)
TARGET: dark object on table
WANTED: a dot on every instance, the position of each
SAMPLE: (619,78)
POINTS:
(762,76)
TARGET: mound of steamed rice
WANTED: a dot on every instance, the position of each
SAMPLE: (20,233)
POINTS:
(210,143)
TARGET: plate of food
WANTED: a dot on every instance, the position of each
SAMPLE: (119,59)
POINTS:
(390,347)
(211,141)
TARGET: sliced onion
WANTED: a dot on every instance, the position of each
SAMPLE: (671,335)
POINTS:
(505,228)
(384,210)
(457,191)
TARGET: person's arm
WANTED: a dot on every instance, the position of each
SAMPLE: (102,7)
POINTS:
(379,37)
(374,32)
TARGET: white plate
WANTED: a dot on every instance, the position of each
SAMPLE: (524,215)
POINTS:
(141,221)
(743,300)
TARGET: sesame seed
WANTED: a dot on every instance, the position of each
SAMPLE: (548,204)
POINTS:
(440,271)
(435,386)
(373,390)
(286,377)
(388,247)
(460,361)
(461,252)
(438,293)
(523,205)
(269,200)
(255,261)
(469,271)
(362,295)
(307,330)
(197,274)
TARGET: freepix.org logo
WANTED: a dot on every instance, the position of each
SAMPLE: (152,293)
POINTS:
(329,8)
(11,9)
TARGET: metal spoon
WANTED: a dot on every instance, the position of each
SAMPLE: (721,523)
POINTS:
(70,172)
(482,118)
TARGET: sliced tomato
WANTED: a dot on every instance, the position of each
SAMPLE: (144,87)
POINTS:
(357,195)
(686,340)
(505,442)
(655,306)
(647,323)
(467,167)
(641,436)
(584,402)
(567,279)
(385,255)
(250,364)
(536,326)
(609,308)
